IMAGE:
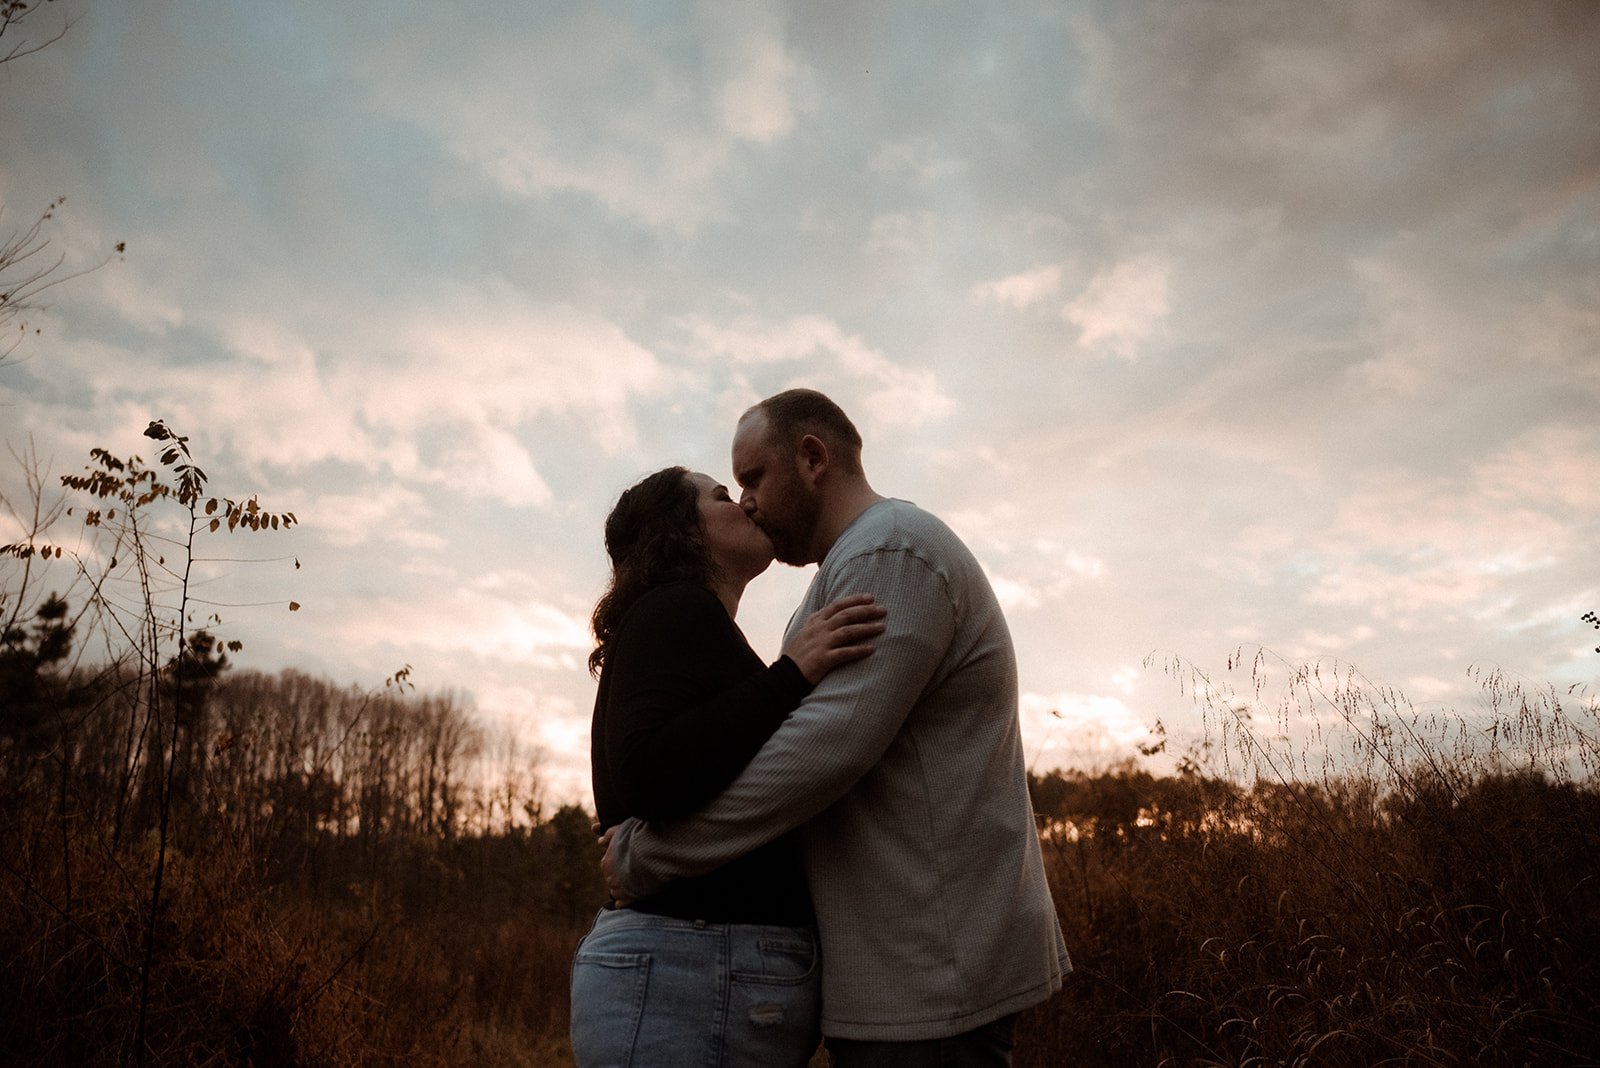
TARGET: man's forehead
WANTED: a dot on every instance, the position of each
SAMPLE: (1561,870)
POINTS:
(751,434)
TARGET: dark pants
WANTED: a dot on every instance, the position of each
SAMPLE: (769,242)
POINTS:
(988,1046)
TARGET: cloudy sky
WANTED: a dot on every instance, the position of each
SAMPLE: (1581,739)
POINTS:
(1206,324)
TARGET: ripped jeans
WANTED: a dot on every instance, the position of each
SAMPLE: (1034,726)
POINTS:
(653,991)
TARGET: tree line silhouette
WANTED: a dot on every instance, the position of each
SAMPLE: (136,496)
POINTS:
(347,824)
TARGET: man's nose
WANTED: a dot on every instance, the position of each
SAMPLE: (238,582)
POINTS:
(747,501)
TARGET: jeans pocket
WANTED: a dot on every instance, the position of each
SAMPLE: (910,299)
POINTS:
(773,1013)
(782,960)
(608,992)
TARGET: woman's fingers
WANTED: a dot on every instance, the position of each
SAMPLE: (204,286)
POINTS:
(858,610)
(837,633)
(854,623)
(849,607)
(857,632)
(843,654)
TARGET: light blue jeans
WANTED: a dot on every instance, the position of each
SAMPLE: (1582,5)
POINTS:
(656,992)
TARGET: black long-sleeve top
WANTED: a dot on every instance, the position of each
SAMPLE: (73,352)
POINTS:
(683,705)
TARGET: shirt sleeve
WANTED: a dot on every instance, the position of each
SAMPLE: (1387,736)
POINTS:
(834,738)
(671,747)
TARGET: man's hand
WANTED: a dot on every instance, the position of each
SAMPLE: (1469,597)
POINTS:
(619,897)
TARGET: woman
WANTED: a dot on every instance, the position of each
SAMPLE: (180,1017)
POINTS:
(719,969)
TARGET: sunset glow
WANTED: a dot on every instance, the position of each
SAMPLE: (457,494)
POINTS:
(1204,325)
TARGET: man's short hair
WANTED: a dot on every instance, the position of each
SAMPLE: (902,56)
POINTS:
(794,413)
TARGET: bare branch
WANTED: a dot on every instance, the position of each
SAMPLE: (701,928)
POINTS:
(25,274)
(13,13)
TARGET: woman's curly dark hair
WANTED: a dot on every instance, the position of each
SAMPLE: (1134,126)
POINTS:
(654,535)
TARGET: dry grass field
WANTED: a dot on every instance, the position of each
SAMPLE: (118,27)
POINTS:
(1424,902)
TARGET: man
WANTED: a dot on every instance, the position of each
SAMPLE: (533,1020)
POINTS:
(906,770)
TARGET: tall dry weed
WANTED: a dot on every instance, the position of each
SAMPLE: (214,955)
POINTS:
(1372,884)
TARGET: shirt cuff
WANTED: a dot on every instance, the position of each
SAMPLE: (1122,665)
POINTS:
(791,683)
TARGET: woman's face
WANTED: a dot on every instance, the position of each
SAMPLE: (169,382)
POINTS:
(739,548)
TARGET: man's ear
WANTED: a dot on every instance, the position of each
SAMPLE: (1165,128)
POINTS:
(812,458)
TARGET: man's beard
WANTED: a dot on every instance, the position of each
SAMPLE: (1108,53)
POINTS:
(793,530)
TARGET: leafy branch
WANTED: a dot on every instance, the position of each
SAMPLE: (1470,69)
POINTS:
(131,546)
